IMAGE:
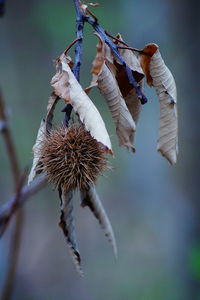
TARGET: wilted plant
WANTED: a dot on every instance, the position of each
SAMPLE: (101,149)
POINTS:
(73,155)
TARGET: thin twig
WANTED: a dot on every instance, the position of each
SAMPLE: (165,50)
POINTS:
(126,46)
(116,39)
(91,14)
(9,142)
(69,47)
(93,4)
(134,49)
(17,230)
(8,209)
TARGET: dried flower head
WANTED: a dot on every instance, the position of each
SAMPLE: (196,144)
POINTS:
(71,158)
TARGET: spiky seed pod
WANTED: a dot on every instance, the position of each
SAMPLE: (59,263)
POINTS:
(71,158)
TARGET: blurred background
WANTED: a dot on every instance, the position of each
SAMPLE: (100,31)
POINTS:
(153,207)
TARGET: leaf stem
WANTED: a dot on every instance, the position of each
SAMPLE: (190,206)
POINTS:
(70,45)
(134,49)
(116,39)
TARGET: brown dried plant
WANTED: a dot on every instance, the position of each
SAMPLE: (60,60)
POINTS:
(73,155)
(71,158)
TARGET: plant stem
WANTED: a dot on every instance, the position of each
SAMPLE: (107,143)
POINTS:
(79,35)
(134,49)
(17,230)
(17,201)
(78,55)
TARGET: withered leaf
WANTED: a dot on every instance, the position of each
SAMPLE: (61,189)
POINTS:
(53,100)
(159,76)
(36,157)
(67,87)
(133,62)
(45,126)
(133,102)
(103,76)
(127,90)
(91,199)
(67,225)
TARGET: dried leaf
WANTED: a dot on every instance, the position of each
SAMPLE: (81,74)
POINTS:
(133,63)
(127,90)
(36,157)
(67,225)
(133,103)
(125,125)
(159,76)
(53,100)
(45,126)
(91,199)
(145,61)
(103,76)
(67,87)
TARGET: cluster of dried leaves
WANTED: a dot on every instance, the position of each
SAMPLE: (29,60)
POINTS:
(124,105)
(109,75)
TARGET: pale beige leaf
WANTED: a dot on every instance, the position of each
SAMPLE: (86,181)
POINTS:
(91,199)
(103,76)
(161,78)
(125,125)
(67,225)
(36,157)
(67,87)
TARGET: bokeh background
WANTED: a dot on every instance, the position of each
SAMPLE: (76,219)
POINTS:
(154,208)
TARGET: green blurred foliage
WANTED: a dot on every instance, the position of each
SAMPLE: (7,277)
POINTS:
(194,260)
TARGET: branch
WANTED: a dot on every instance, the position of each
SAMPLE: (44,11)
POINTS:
(78,54)
(17,230)
(80,19)
(4,126)
(8,209)
(79,34)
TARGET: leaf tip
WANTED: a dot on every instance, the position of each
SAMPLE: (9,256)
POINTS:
(171,156)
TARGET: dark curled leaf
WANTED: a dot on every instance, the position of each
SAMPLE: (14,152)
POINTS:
(91,199)
(67,225)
